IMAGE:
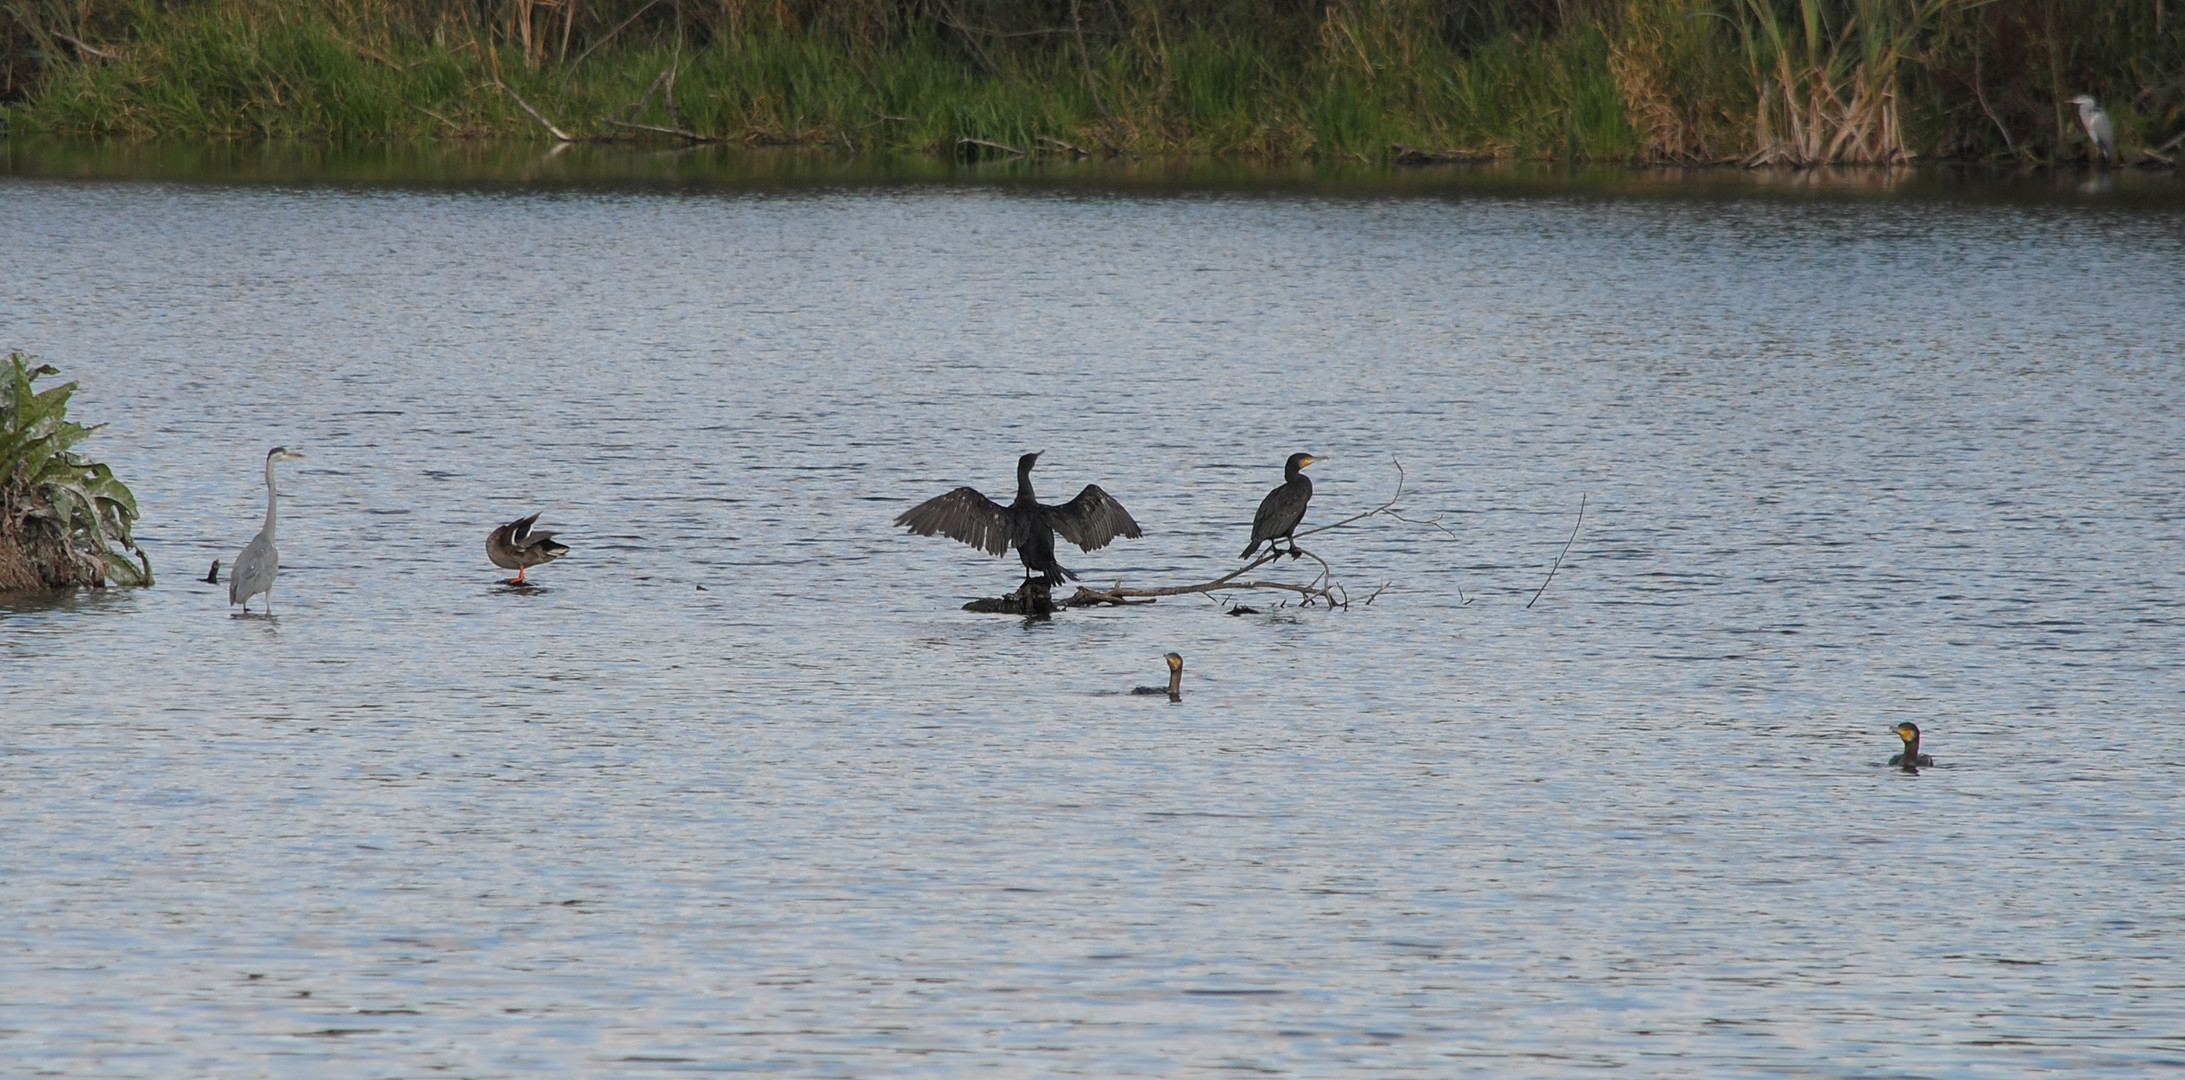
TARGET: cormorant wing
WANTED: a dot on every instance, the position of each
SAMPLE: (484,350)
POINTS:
(1092,519)
(963,514)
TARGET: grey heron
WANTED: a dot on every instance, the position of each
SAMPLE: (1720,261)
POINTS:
(2097,127)
(1090,521)
(1283,508)
(515,546)
(259,562)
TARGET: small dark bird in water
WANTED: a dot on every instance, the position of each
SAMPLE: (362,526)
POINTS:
(515,547)
(1091,521)
(1282,509)
(1911,758)
(1175,687)
(212,576)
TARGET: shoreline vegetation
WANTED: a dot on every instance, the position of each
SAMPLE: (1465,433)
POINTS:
(64,519)
(1683,82)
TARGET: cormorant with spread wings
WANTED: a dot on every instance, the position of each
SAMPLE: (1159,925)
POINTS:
(1090,521)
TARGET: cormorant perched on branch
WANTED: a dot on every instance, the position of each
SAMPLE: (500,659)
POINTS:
(1090,521)
(1911,758)
(1282,509)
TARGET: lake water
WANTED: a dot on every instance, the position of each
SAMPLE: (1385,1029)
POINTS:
(738,788)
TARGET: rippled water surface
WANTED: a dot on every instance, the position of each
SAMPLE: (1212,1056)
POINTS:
(739,788)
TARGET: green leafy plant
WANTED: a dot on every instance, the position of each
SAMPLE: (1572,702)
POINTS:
(64,521)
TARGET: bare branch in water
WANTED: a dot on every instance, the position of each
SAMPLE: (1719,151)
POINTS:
(991,146)
(677,132)
(1321,589)
(535,114)
(1559,555)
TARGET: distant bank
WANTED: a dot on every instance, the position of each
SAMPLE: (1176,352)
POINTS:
(1684,81)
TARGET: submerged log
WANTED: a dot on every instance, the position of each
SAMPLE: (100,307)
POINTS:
(1035,598)
(1412,155)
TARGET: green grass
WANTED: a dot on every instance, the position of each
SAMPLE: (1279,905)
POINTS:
(228,70)
(1617,80)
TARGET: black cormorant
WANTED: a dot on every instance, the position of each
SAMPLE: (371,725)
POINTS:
(1911,758)
(1175,687)
(212,576)
(1283,508)
(515,547)
(1090,521)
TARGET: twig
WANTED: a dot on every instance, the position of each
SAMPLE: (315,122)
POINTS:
(436,116)
(1322,587)
(609,36)
(677,132)
(1559,555)
(535,114)
(1092,86)
(949,16)
(631,112)
(675,69)
(85,46)
(990,145)
(1376,511)
(1078,150)
(1981,95)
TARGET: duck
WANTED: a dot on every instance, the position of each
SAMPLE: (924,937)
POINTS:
(515,546)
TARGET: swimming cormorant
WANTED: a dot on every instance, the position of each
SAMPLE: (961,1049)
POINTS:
(515,547)
(1175,687)
(1090,521)
(1282,509)
(1911,758)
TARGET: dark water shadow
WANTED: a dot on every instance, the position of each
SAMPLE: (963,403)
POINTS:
(515,165)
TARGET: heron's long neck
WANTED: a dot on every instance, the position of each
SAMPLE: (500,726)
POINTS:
(273,498)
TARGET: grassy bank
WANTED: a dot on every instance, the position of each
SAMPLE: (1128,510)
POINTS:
(1795,81)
